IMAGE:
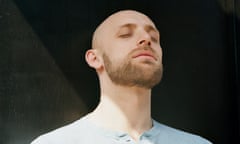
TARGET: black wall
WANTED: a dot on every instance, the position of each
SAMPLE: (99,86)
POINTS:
(45,82)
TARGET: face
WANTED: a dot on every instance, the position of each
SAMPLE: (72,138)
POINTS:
(131,51)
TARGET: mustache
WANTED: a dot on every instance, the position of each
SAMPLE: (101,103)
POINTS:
(144,48)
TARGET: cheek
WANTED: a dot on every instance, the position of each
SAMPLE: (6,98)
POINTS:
(119,51)
(159,52)
(118,57)
(114,56)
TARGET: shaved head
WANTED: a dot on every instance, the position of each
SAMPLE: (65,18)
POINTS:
(104,26)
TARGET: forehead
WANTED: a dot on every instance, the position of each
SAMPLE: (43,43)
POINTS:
(128,17)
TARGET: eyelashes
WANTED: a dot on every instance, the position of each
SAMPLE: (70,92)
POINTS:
(154,36)
(127,35)
(155,39)
(130,30)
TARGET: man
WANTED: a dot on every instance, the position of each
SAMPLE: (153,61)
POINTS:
(127,57)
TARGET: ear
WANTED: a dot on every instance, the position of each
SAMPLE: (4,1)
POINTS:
(92,58)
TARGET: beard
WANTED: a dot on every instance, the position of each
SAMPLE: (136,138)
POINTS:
(126,73)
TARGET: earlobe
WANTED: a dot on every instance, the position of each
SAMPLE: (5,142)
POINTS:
(92,59)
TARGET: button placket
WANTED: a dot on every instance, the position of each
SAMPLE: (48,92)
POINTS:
(144,139)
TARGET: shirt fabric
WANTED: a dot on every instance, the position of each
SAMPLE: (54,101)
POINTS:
(83,131)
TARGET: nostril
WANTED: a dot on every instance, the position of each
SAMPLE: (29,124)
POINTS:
(144,42)
(149,43)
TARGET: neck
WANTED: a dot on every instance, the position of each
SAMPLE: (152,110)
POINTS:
(126,109)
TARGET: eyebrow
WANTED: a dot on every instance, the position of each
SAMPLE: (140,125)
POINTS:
(128,25)
(151,28)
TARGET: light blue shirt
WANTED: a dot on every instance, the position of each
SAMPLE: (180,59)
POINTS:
(83,131)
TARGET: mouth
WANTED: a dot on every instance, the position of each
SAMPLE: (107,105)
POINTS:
(147,55)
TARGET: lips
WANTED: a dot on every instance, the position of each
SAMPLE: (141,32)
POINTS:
(145,54)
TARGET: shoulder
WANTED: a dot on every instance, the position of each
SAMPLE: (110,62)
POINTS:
(173,135)
(65,134)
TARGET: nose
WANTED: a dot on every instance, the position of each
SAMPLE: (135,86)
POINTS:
(144,40)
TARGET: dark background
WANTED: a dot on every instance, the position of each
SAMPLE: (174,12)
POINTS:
(45,82)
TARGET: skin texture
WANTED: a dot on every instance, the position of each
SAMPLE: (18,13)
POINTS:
(127,57)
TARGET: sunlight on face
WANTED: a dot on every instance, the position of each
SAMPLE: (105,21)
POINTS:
(130,45)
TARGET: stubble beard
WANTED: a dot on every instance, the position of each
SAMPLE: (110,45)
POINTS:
(128,74)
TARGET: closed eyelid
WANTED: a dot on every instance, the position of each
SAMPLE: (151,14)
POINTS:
(127,29)
(155,35)
(124,31)
(150,29)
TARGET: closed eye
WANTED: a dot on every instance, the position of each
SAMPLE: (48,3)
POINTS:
(125,35)
(154,36)
(154,39)
(126,31)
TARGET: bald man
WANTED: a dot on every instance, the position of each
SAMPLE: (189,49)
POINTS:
(127,57)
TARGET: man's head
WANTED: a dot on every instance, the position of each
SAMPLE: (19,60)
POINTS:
(126,48)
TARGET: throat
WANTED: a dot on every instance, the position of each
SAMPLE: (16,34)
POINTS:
(132,116)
